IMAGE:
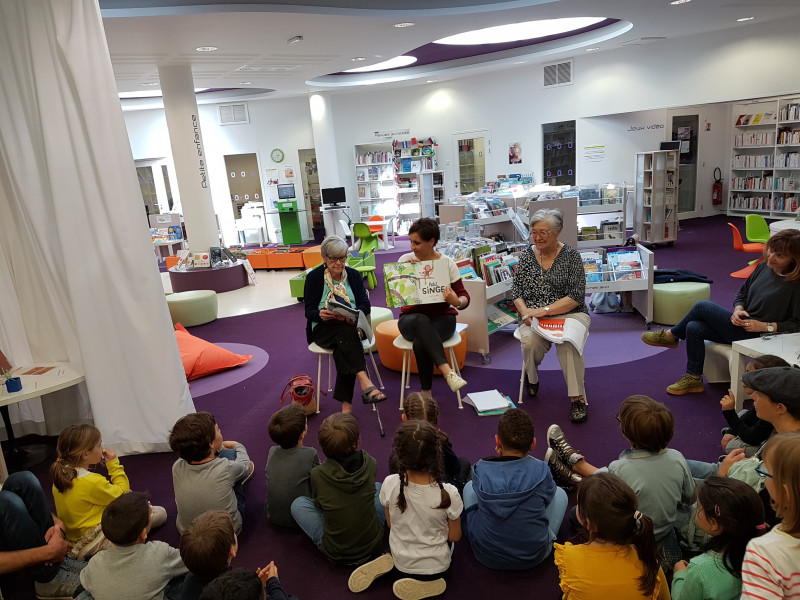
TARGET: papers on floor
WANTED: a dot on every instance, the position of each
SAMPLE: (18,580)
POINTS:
(490,402)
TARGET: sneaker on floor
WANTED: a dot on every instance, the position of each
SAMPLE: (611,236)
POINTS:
(562,474)
(686,385)
(63,585)
(363,576)
(558,442)
(249,473)
(659,338)
(414,589)
(73,565)
(579,410)
(455,382)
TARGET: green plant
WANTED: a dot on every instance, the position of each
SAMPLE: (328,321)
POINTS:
(7,374)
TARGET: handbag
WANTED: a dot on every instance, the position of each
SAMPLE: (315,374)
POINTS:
(301,390)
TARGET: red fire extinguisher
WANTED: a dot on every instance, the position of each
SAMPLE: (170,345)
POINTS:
(716,189)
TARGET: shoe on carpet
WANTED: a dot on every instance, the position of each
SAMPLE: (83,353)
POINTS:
(454,381)
(562,474)
(414,589)
(558,442)
(579,410)
(686,385)
(249,473)
(531,388)
(659,338)
(363,576)
(63,585)
(368,396)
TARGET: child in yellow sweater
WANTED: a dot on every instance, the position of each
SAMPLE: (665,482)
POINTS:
(81,495)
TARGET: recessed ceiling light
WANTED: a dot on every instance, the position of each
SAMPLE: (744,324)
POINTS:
(392,63)
(680,1)
(745,19)
(401,25)
(206,49)
(295,40)
(150,84)
(592,49)
(432,81)
(149,93)
(358,58)
(517,32)
(245,83)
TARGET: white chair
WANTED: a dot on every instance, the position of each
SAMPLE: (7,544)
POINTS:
(407,347)
(348,233)
(719,362)
(518,336)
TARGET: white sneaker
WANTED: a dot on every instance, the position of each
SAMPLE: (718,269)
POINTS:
(363,576)
(62,586)
(414,589)
(455,382)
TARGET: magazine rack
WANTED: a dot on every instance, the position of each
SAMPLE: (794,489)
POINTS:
(641,288)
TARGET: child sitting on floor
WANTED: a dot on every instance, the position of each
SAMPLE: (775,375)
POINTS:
(423,515)
(81,495)
(289,464)
(210,473)
(132,568)
(619,560)
(241,584)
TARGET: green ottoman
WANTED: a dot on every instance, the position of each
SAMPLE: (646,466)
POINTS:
(195,307)
(671,301)
(377,316)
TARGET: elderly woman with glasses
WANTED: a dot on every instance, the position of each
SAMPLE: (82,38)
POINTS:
(331,330)
(550,283)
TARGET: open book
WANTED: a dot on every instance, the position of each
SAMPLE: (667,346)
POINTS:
(562,330)
(353,315)
(420,282)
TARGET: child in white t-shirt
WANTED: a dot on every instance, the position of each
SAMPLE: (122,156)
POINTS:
(423,514)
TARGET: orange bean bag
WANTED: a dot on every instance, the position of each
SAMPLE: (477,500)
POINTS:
(202,358)
(392,358)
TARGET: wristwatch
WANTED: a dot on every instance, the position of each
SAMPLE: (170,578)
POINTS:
(770,328)
(547,309)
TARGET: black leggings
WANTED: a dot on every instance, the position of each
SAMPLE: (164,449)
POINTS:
(348,354)
(427,333)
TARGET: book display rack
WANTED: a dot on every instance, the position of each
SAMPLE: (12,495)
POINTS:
(655,211)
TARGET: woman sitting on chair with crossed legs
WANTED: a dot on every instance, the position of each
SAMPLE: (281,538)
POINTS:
(332,330)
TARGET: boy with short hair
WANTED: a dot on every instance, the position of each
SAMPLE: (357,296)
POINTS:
(210,472)
(132,569)
(343,516)
(513,507)
(207,547)
(242,584)
(289,464)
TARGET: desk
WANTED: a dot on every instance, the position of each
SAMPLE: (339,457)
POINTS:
(62,375)
(786,345)
(384,223)
(777,226)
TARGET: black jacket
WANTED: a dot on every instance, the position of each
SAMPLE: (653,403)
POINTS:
(312,294)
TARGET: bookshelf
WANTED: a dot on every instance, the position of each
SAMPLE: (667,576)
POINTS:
(375,178)
(765,159)
(655,211)
(601,214)
(416,168)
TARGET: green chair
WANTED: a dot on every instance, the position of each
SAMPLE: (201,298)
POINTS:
(756,228)
(369,241)
(364,263)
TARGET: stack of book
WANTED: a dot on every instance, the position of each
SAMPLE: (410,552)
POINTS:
(624,265)
(592,265)
(488,403)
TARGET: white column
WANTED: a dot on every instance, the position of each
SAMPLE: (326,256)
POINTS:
(188,154)
(327,160)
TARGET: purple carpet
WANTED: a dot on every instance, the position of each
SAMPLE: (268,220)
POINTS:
(619,364)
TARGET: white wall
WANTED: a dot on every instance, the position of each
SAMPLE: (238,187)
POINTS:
(627,86)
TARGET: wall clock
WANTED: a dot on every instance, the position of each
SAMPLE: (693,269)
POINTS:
(277,155)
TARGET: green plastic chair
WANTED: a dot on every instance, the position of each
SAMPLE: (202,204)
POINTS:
(756,228)
(369,241)
(364,264)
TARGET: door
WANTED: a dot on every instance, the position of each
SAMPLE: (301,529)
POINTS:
(685,124)
(471,149)
(310,177)
(154,185)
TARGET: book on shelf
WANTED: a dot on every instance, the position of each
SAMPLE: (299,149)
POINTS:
(360,176)
(374,190)
(373,173)
(409,283)
(507,306)
(757,119)
(416,166)
(625,265)
(405,165)
(488,403)
(588,233)
(352,315)
(362,192)
(562,331)
(743,120)
(498,317)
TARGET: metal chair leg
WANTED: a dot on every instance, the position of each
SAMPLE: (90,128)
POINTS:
(375,366)
(319,381)
(454,366)
(521,381)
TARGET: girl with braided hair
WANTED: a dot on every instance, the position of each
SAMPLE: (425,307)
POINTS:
(423,514)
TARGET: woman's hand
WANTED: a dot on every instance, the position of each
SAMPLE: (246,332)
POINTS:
(733,456)
(451,297)
(728,402)
(739,316)
(328,315)
(681,565)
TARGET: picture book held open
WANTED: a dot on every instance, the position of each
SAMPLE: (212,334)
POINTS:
(420,282)
(562,330)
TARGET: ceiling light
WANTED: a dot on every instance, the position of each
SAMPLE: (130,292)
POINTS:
(743,19)
(516,32)
(295,40)
(592,49)
(150,84)
(432,81)
(206,49)
(402,25)
(392,63)
(680,1)
(245,83)
(358,58)
(149,93)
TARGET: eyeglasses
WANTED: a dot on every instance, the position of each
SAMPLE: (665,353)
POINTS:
(761,470)
(545,233)
(338,259)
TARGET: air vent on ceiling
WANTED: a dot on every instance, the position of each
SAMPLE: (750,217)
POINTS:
(558,74)
(230,114)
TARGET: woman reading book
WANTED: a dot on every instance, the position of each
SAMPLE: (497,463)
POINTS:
(428,325)
(550,283)
(334,281)
(769,302)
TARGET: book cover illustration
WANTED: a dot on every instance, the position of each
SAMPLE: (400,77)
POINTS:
(508,307)
(409,283)
(562,330)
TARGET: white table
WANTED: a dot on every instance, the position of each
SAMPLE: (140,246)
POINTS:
(786,345)
(777,226)
(384,223)
(62,375)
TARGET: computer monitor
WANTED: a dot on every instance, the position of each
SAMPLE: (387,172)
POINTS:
(333,196)
(676,145)
(285,191)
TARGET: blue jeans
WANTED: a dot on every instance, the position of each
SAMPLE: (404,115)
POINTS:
(554,511)
(238,488)
(702,470)
(310,519)
(706,321)
(24,518)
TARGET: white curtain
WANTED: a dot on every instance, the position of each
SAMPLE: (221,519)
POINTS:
(78,280)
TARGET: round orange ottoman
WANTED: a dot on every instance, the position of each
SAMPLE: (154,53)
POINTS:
(392,358)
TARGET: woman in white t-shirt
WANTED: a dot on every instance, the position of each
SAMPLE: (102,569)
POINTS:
(423,514)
